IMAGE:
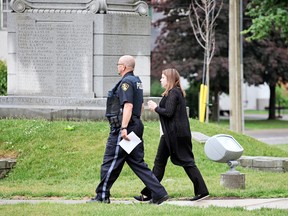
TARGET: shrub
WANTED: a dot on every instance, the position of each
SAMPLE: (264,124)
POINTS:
(281,96)
(156,89)
(3,78)
(192,99)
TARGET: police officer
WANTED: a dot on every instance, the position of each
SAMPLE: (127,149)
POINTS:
(124,107)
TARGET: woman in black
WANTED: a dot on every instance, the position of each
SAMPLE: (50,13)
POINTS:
(176,140)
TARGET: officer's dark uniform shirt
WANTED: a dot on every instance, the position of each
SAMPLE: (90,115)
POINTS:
(130,90)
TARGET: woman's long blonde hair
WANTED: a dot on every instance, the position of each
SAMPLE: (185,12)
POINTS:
(173,80)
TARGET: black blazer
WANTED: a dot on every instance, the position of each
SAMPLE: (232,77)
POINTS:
(176,128)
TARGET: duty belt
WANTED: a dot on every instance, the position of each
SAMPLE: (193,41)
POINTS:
(115,121)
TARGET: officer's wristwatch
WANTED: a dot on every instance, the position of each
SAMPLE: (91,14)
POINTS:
(123,128)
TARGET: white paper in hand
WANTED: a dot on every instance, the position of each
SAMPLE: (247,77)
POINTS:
(128,146)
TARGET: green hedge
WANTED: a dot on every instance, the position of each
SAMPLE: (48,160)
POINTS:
(281,96)
(3,78)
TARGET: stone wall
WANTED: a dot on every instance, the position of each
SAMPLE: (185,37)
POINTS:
(262,163)
(6,165)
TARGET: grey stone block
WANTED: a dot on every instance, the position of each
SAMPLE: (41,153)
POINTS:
(246,161)
(285,165)
(269,169)
(264,163)
(259,163)
(199,137)
(6,164)
(3,164)
(233,181)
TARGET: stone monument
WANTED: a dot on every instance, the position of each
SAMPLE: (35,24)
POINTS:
(62,55)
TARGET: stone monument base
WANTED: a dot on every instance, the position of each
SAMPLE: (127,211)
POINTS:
(233,180)
(58,108)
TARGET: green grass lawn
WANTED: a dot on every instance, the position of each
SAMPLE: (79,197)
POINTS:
(62,160)
(285,111)
(258,124)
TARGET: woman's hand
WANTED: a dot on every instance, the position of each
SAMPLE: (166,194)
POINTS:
(152,105)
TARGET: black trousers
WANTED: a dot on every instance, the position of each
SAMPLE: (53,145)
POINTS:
(115,157)
(160,165)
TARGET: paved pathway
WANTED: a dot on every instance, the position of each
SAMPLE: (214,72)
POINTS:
(262,117)
(249,204)
(271,136)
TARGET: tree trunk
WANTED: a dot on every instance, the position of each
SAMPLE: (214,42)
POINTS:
(272,102)
(215,107)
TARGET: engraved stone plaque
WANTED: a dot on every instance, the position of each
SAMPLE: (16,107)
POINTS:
(54,58)
(62,55)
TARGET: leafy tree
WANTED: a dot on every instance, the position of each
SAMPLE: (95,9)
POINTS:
(176,46)
(281,96)
(267,54)
(269,16)
(3,78)
(202,16)
(192,98)
(267,62)
(156,89)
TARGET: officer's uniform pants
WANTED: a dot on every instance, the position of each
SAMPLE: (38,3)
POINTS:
(115,157)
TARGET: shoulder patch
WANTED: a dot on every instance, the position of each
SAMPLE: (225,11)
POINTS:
(125,86)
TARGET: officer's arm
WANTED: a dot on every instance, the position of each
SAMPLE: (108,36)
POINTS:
(127,113)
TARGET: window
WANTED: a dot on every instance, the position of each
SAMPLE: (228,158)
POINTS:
(4,9)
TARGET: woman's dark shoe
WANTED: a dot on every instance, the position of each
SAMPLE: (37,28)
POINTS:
(160,200)
(142,198)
